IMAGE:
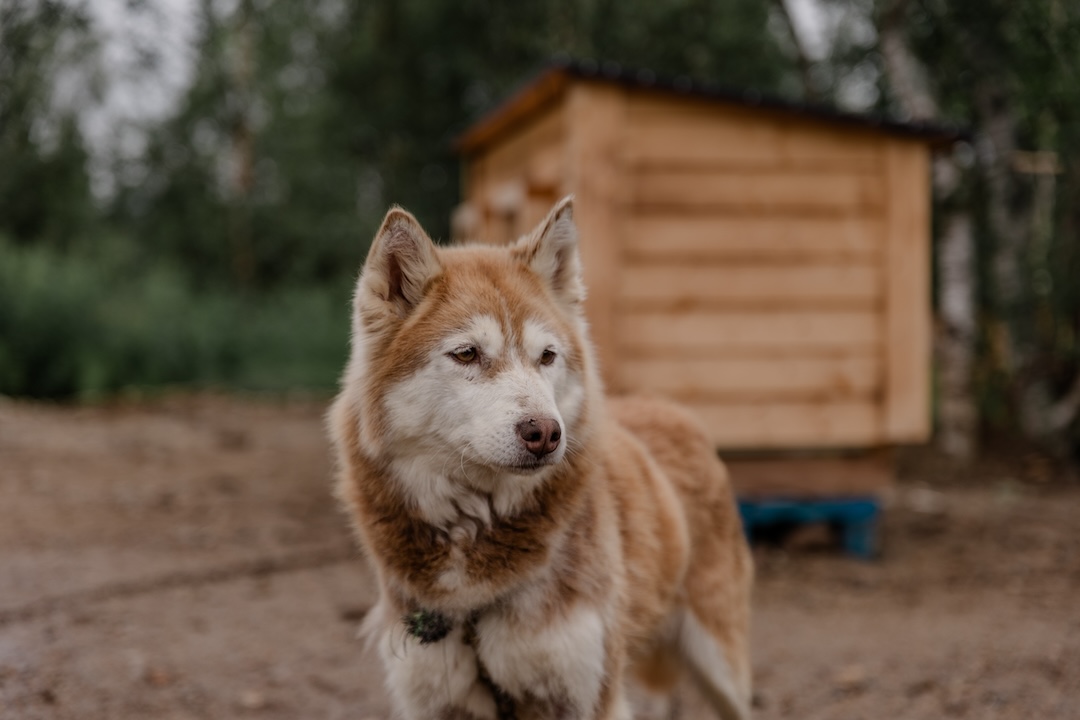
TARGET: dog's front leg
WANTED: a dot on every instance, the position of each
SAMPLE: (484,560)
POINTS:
(565,667)
(437,680)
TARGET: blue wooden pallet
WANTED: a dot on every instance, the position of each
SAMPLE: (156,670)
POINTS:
(857,518)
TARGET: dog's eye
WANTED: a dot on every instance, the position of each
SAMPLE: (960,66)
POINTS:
(547,357)
(465,355)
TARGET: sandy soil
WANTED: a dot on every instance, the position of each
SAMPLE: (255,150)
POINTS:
(184,559)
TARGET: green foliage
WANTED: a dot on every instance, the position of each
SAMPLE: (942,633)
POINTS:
(43,337)
(353,108)
(1019,62)
(414,73)
(44,189)
(1010,72)
(89,325)
(227,254)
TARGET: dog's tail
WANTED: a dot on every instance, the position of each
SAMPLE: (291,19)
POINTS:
(720,678)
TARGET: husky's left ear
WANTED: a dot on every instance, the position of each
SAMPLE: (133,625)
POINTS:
(400,264)
(551,251)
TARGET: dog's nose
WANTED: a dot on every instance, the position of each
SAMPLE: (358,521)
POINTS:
(540,436)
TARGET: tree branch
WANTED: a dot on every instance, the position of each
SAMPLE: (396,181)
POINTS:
(902,69)
(801,57)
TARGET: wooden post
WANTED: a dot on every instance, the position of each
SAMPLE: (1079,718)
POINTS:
(907,293)
(596,121)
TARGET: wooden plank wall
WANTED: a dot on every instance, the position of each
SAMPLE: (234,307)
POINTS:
(908,303)
(770,271)
(754,283)
(514,183)
(596,116)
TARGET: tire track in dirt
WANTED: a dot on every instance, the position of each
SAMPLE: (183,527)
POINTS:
(253,568)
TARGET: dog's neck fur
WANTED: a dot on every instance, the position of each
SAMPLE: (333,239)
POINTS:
(460,497)
(488,551)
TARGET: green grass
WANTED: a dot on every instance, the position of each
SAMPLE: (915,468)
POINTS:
(91,326)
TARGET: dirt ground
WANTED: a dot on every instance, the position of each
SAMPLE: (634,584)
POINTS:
(183,558)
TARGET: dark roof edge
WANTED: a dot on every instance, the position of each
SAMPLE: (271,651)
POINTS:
(535,91)
(639,78)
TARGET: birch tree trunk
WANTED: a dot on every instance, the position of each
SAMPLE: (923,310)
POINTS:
(955,337)
(802,57)
(955,333)
(242,148)
(1042,417)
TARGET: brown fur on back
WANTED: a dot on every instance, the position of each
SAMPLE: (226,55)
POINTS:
(680,446)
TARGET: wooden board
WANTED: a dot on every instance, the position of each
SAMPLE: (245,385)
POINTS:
(667,131)
(752,425)
(763,239)
(596,118)
(537,206)
(766,378)
(867,474)
(511,157)
(685,286)
(547,167)
(663,132)
(526,159)
(755,334)
(749,193)
(529,101)
(907,307)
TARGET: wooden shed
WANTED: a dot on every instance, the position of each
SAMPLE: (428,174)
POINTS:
(765,262)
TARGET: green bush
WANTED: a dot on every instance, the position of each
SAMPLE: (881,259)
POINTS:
(46,333)
(295,338)
(90,325)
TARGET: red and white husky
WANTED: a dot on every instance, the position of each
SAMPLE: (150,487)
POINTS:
(541,552)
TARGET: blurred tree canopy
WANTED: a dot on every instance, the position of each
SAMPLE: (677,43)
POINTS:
(304,119)
(1014,70)
(1011,72)
(44,186)
(224,248)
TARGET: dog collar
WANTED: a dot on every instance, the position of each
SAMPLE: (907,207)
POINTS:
(427,626)
(431,626)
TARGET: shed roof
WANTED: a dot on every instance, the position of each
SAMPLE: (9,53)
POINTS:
(551,82)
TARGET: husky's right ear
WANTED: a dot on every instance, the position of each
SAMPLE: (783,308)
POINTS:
(399,266)
(551,251)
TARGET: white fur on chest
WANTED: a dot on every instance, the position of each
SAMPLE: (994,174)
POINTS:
(425,680)
(462,497)
(456,507)
(562,661)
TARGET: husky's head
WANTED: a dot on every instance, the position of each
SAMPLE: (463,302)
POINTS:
(470,364)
